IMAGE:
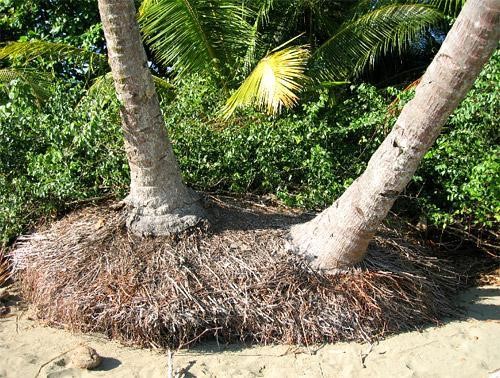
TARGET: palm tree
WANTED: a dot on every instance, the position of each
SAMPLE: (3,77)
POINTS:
(339,236)
(159,203)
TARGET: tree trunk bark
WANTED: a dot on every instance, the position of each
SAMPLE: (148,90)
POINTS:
(158,201)
(339,236)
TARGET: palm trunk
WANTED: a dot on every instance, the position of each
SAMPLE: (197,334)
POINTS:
(339,236)
(159,202)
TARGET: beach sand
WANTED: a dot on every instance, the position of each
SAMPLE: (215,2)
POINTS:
(469,347)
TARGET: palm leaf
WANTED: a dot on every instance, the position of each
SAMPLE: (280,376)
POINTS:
(358,43)
(193,35)
(38,82)
(448,7)
(274,82)
(31,50)
(254,34)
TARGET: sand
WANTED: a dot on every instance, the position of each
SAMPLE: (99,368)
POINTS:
(469,347)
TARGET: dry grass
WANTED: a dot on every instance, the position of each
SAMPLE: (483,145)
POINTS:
(234,281)
(4,268)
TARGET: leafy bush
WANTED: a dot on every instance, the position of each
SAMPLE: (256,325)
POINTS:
(305,158)
(69,150)
(55,154)
(460,176)
(309,157)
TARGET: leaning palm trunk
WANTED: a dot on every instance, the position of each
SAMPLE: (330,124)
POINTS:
(339,236)
(159,201)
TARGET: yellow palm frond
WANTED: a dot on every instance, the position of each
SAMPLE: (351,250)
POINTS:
(273,84)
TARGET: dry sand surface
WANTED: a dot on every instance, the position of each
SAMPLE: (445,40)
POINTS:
(460,348)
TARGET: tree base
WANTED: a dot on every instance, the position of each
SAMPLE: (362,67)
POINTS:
(157,222)
(88,273)
(327,243)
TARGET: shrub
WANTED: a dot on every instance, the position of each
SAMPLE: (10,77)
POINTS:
(70,150)
(306,158)
(55,154)
(460,176)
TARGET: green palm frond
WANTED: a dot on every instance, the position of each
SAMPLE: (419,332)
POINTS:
(191,36)
(249,59)
(448,7)
(31,50)
(263,7)
(274,82)
(358,43)
(38,82)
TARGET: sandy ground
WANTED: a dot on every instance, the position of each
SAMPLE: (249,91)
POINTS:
(460,348)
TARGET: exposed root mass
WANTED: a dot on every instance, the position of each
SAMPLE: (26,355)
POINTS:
(236,281)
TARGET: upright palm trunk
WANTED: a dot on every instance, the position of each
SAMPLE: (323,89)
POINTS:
(159,202)
(339,236)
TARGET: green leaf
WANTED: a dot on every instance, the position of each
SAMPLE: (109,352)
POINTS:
(358,43)
(30,50)
(191,36)
(38,82)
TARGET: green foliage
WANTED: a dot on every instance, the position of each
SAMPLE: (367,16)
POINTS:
(68,21)
(51,156)
(26,51)
(192,36)
(70,149)
(358,43)
(38,82)
(461,175)
(306,158)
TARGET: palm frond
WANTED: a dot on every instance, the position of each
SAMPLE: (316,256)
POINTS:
(263,9)
(102,88)
(358,43)
(249,59)
(31,50)
(261,19)
(193,35)
(37,81)
(449,7)
(274,82)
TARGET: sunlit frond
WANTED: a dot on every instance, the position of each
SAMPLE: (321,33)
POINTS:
(37,81)
(358,43)
(273,84)
(30,50)
(191,36)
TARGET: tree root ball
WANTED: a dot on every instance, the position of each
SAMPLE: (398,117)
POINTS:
(235,282)
(85,357)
